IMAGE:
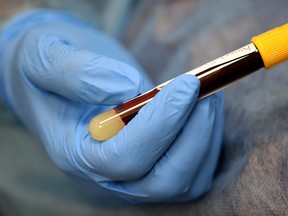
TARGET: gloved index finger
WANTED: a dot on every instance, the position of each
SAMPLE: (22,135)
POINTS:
(136,148)
(52,62)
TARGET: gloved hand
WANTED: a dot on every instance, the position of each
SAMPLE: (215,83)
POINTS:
(58,72)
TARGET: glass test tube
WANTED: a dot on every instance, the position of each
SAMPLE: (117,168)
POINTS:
(266,50)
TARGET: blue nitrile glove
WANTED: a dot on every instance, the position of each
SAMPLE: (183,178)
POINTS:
(55,77)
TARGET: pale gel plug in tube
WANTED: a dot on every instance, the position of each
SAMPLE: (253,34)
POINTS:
(266,50)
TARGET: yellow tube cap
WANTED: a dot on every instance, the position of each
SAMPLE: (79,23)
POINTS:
(273,46)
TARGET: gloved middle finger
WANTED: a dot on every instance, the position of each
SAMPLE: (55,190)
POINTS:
(173,174)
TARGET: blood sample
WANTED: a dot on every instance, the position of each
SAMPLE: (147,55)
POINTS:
(266,50)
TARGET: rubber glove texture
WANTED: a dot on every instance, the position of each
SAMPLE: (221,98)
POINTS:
(57,72)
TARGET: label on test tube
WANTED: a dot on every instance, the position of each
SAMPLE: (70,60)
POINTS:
(207,68)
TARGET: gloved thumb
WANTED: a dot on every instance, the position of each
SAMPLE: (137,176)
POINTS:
(55,65)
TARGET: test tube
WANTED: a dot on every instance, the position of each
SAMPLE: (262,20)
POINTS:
(265,50)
